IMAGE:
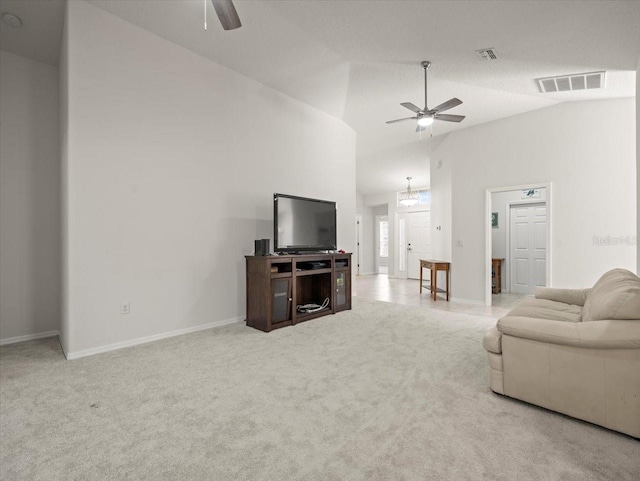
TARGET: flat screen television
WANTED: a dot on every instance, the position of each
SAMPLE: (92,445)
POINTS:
(302,225)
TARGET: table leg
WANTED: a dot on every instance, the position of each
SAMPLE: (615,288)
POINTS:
(448,284)
(420,278)
(434,284)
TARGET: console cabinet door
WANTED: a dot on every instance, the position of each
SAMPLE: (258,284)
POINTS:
(343,291)
(280,300)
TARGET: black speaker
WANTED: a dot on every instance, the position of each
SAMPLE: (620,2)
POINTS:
(262,247)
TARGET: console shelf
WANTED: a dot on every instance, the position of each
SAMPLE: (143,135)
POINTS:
(276,285)
(312,272)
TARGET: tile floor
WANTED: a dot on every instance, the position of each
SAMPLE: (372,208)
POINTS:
(407,291)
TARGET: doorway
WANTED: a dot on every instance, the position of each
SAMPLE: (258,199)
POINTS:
(414,242)
(518,235)
(528,247)
(382,244)
(358,253)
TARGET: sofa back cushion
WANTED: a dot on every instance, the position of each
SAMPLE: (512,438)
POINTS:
(616,295)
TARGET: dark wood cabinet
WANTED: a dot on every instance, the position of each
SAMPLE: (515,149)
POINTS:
(342,281)
(277,285)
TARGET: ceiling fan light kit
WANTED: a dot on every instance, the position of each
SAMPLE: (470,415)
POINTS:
(425,121)
(426,116)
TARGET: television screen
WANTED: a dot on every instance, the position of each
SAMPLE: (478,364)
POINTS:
(302,224)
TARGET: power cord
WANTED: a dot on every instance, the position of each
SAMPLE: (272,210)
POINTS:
(308,308)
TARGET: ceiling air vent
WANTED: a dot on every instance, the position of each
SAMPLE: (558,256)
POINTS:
(567,83)
(488,54)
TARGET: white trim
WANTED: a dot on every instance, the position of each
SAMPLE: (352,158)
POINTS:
(359,241)
(488,231)
(154,337)
(467,301)
(401,274)
(28,337)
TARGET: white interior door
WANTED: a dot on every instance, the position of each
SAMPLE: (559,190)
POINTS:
(528,247)
(418,241)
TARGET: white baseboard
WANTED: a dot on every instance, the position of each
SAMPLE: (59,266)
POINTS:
(155,337)
(28,337)
(467,301)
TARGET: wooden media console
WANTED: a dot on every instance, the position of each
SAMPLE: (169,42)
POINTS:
(277,285)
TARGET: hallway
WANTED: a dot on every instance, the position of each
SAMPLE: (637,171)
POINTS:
(407,291)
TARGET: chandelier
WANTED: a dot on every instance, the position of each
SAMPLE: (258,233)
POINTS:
(409,197)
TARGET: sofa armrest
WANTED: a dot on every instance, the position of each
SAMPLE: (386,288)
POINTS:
(492,341)
(609,334)
(576,297)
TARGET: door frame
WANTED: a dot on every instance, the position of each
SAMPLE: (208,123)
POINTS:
(359,232)
(508,234)
(487,223)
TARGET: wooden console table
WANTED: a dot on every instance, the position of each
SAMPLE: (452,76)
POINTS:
(434,267)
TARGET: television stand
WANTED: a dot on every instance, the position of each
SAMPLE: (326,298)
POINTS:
(277,285)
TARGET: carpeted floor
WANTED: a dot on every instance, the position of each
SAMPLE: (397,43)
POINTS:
(382,392)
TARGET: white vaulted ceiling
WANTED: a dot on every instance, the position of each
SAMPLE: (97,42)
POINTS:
(357,60)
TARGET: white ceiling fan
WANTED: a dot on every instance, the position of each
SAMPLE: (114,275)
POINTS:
(426,116)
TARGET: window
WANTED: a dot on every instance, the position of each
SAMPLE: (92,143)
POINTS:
(383,226)
(403,246)
(423,197)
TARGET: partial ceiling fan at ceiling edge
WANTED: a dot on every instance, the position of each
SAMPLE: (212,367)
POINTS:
(426,116)
(227,14)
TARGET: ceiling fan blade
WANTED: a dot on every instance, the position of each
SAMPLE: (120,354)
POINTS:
(227,14)
(449,104)
(412,107)
(400,120)
(421,128)
(449,117)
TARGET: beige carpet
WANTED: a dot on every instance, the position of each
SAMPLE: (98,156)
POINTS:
(383,392)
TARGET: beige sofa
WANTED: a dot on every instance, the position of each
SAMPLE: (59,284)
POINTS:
(575,351)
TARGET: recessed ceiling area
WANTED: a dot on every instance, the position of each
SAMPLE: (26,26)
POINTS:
(358,60)
(41,32)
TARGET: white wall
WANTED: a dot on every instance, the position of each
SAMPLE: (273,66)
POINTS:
(499,201)
(638,167)
(441,176)
(586,149)
(170,180)
(29,197)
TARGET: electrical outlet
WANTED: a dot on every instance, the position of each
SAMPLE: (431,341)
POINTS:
(125,308)
(460,243)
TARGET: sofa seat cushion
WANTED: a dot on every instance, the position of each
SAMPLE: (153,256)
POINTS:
(616,295)
(546,309)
